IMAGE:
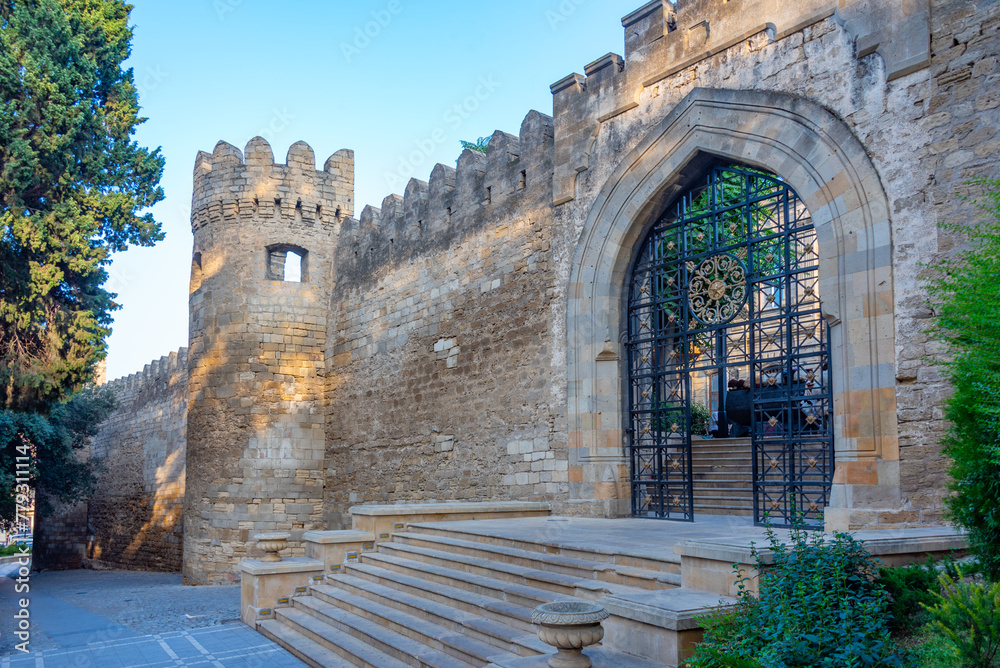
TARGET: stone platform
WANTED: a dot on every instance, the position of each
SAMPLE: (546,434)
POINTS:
(460,593)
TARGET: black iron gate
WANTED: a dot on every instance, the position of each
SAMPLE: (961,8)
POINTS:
(725,326)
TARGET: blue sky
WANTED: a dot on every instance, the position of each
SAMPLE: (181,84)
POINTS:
(379,77)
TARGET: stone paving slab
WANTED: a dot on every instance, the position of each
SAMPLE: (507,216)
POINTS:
(127,619)
(233,644)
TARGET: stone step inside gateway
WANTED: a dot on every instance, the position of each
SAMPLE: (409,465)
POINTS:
(454,584)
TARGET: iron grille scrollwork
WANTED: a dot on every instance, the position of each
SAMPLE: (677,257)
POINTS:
(724,302)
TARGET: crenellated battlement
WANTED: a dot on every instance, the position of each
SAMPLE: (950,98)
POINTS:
(662,38)
(452,200)
(230,184)
(160,370)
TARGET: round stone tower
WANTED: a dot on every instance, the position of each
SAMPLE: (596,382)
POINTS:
(264,241)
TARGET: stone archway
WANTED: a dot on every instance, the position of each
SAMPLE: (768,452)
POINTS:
(820,158)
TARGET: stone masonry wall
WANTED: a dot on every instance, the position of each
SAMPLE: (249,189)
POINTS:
(959,125)
(134,518)
(135,515)
(444,380)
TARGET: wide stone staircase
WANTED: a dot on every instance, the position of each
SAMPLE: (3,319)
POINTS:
(441,597)
(722,476)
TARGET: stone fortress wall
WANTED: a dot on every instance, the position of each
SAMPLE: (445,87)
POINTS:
(134,519)
(461,341)
(136,513)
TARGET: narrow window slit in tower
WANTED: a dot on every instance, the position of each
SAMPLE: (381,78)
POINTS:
(449,214)
(489,194)
(319,210)
(293,267)
(420,229)
(256,205)
(298,206)
(286,263)
(524,179)
(336,214)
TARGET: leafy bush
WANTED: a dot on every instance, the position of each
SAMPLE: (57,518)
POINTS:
(820,605)
(909,588)
(966,296)
(928,649)
(480,144)
(12,550)
(700,418)
(968,614)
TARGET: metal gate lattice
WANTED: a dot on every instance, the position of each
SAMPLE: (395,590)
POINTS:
(724,313)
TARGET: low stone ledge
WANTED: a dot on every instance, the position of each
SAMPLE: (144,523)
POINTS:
(335,537)
(603,657)
(383,521)
(673,609)
(708,564)
(23,559)
(898,547)
(288,565)
(451,508)
(661,625)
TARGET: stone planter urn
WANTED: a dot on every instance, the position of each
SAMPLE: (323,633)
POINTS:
(271,544)
(569,626)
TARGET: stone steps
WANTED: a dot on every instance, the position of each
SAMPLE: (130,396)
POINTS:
(404,637)
(502,636)
(511,614)
(547,571)
(742,509)
(440,598)
(316,643)
(722,478)
(667,563)
(518,594)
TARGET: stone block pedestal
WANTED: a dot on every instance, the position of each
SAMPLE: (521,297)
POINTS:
(264,584)
(662,624)
(334,548)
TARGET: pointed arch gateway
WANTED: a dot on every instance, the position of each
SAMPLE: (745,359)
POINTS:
(822,164)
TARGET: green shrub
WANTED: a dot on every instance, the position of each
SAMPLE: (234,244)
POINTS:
(968,614)
(928,649)
(909,588)
(11,550)
(701,418)
(820,605)
(965,292)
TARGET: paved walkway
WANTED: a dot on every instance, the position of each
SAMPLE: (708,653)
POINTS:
(123,619)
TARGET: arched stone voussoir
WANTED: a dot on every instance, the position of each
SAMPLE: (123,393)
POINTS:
(820,158)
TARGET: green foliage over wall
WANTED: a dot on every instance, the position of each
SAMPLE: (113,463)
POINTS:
(966,295)
(479,145)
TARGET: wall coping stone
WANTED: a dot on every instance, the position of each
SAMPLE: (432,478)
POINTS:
(288,565)
(333,537)
(877,542)
(674,609)
(451,508)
